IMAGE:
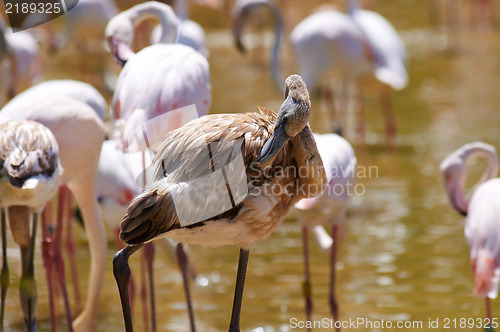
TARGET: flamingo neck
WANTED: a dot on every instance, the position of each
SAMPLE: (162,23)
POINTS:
(181,9)
(490,172)
(278,28)
(352,6)
(164,13)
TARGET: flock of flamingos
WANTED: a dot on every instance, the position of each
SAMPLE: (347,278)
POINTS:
(53,140)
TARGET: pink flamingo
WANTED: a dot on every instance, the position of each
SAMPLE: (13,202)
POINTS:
(29,177)
(353,46)
(158,79)
(481,209)
(64,88)
(262,145)
(328,208)
(21,62)
(79,133)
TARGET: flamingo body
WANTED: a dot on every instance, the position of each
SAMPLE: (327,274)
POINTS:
(64,88)
(340,165)
(329,41)
(389,52)
(481,210)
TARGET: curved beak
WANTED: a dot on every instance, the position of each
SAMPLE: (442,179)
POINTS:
(114,49)
(272,146)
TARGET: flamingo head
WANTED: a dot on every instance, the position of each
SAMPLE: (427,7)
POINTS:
(119,36)
(453,173)
(292,118)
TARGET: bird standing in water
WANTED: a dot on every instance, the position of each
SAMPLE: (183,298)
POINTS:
(328,208)
(29,177)
(274,155)
(481,209)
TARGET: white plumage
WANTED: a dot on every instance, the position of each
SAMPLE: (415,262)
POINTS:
(159,78)
(481,208)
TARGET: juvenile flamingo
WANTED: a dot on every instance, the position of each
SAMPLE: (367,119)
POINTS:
(79,133)
(258,147)
(328,208)
(481,209)
(29,177)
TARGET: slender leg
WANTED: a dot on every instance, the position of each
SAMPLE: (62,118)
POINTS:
(149,254)
(121,271)
(332,298)
(4,276)
(361,121)
(328,96)
(58,260)
(388,111)
(307,275)
(131,289)
(182,259)
(47,248)
(343,107)
(488,313)
(238,291)
(144,295)
(19,219)
(70,248)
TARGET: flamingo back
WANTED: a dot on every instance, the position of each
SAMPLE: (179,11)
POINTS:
(158,79)
(329,41)
(388,49)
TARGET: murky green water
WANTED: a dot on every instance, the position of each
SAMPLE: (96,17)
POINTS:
(405,256)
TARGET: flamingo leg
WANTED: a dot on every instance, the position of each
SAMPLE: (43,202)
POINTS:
(71,249)
(121,271)
(238,290)
(307,280)
(149,254)
(388,111)
(58,260)
(332,297)
(487,302)
(182,259)
(47,248)
(361,119)
(131,289)
(19,219)
(4,275)
(329,98)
